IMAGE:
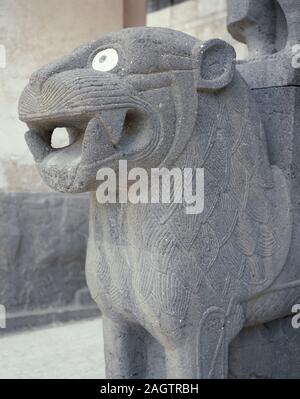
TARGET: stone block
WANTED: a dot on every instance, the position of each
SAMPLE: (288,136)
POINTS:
(269,351)
(42,256)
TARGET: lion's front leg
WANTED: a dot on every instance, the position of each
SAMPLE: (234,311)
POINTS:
(202,358)
(124,348)
(204,353)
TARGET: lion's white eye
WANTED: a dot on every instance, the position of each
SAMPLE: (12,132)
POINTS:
(105,60)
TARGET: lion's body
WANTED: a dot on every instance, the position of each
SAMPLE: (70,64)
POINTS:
(163,278)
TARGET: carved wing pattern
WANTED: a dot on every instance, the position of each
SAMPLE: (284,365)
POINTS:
(234,246)
(231,250)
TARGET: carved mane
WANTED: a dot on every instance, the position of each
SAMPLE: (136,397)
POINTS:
(245,224)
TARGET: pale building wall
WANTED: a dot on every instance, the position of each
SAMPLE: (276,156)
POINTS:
(134,13)
(33,33)
(205,19)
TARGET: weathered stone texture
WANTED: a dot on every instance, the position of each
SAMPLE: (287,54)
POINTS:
(200,18)
(271,30)
(42,254)
(270,351)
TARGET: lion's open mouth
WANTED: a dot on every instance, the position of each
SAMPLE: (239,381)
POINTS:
(93,138)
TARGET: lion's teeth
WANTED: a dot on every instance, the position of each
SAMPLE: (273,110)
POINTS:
(37,145)
(114,123)
(90,138)
(91,149)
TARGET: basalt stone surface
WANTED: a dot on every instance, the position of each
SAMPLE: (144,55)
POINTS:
(271,29)
(175,289)
(42,255)
(268,351)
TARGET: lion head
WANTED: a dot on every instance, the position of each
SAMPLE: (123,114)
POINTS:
(133,95)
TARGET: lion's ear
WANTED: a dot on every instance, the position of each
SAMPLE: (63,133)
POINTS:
(214,64)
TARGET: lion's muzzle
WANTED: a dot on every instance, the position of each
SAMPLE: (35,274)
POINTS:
(97,110)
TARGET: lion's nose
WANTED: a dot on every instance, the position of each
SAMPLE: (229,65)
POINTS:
(77,59)
(39,77)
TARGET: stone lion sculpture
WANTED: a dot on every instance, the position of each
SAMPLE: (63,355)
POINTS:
(174,289)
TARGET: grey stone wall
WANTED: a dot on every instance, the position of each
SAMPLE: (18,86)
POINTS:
(269,351)
(42,258)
